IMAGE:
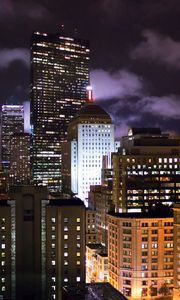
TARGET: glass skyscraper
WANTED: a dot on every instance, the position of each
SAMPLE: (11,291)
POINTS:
(59,77)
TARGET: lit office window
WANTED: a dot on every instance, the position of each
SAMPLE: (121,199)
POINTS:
(78,279)
(65,262)
(65,228)
(66,236)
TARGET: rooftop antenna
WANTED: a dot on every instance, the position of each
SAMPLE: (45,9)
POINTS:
(75,32)
(62,28)
(89,94)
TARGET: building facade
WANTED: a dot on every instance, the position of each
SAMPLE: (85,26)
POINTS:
(90,137)
(65,245)
(12,121)
(59,76)
(146,170)
(20,171)
(176,291)
(140,253)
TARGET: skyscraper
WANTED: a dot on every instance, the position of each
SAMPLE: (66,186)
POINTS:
(12,121)
(59,76)
(90,136)
(20,159)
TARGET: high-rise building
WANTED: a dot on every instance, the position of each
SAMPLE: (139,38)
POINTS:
(59,77)
(65,245)
(90,136)
(20,159)
(140,253)
(146,170)
(12,121)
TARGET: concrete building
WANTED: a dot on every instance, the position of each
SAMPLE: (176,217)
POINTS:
(26,234)
(6,249)
(20,172)
(140,252)
(146,170)
(65,245)
(96,263)
(90,136)
(176,290)
(91,233)
(12,121)
(59,77)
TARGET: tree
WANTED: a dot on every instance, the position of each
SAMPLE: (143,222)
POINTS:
(164,290)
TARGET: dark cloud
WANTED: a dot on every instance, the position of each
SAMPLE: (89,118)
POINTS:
(135,71)
(158,47)
(30,9)
(167,107)
(7,56)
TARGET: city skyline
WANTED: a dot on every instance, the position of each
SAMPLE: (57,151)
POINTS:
(134,61)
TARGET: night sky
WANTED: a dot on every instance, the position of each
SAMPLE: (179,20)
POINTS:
(135,54)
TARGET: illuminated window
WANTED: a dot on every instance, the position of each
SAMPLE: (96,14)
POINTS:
(78,228)
(78,279)
(66,236)
(65,279)
(78,262)
(65,262)
(53,220)
(65,228)
(53,262)
(78,237)
(78,220)
(65,254)
(78,254)
(65,220)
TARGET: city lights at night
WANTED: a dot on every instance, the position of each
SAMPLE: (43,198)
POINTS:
(90,150)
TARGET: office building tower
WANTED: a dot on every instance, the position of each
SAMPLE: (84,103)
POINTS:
(176,290)
(140,253)
(65,245)
(146,170)
(90,136)
(59,76)
(20,159)
(12,121)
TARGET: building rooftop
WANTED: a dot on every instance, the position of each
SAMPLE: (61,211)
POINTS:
(153,131)
(160,211)
(92,111)
(93,291)
(66,202)
(95,246)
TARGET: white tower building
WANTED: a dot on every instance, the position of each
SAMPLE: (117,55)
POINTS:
(90,136)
